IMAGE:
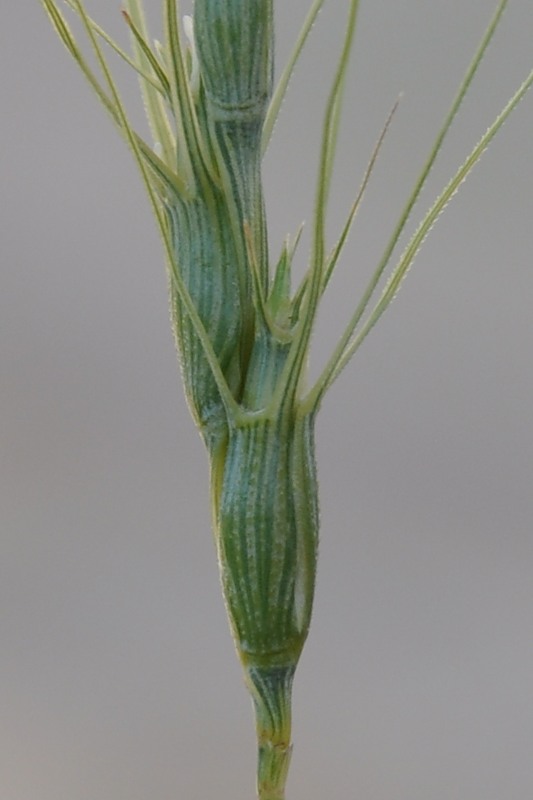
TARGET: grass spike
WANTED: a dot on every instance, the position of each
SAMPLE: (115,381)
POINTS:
(242,336)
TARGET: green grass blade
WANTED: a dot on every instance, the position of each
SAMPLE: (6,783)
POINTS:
(418,239)
(297,358)
(330,369)
(144,48)
(463,89)
(336,252)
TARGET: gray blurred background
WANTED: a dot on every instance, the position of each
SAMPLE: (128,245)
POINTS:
(117,674)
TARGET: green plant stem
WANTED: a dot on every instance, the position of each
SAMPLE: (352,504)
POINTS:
(271,690)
